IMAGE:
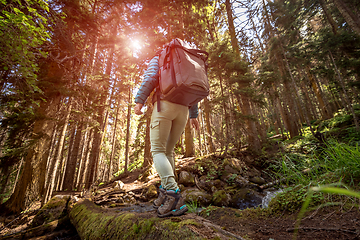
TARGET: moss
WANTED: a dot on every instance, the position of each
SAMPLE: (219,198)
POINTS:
(56,202)
(189,222)
(52,210)
(220,198)
(93,222)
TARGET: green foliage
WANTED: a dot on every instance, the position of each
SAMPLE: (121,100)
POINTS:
(292,199)
(306,167)
(231,179)
(340,119)
(207,211)
(192,206)
(343,160)
(22,31)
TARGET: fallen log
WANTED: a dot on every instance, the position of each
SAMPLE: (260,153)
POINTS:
(93,222)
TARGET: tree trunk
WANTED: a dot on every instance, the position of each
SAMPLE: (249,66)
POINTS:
(234,42)
(68,165)
(5,173)
(189,141)
(319,94)
(328,16)
(85,216)
(69,177)
(349,16)
(253,139)
(54,165)
(127,140)
(226,117)
(113,149)
(310,107)
(31,183)
(85,162)
(147,148)
(99,129)
(204,131)
(208,125)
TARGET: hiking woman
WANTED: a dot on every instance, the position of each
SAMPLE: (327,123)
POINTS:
(166,127)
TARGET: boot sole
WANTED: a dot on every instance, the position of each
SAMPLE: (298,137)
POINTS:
(173,213)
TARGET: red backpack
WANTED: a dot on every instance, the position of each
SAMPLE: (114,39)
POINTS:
(182,74)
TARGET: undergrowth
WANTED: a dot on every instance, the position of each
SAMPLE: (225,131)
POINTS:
(307,165)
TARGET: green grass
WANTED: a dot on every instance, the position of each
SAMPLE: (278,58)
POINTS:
(339,161)
(344,161)
(192,206)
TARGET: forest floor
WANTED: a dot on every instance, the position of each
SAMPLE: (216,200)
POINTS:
(327,222)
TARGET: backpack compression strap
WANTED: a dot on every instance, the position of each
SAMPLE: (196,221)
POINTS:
(196,52)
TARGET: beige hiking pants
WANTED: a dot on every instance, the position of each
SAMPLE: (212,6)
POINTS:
(165,130)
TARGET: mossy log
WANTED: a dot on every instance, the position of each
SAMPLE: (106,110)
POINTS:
(93,222)
(37,231)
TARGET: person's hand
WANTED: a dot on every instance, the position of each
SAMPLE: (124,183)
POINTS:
(194,123)
(137,108)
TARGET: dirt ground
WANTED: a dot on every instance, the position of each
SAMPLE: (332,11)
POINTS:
(327,223)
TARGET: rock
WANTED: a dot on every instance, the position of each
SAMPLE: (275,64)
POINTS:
(258,180)
(210,186)
(253,172)
(118,185)
(203,183)
(245,198)
(241,182)
(238,180)
(230,170)
(221,198)
(236,164)
(196,195)
(151,192)
(218,183)
(186,178)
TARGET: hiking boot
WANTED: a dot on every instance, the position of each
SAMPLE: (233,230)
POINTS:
(174,204)
(161,198)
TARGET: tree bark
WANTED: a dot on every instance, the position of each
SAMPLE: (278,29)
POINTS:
(226,117)
(208,125)
(69,177)
(127,140)
(54,165)
(350,17)
(31,183)
(86,158)
(113,149)
(189,141)
(147,148)
(328,16)
(86,217)
(318,93)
